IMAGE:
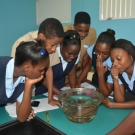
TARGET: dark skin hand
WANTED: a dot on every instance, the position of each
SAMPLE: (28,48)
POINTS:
(55,91)
(104,87)
(85,70)
(126,127)
(110,104)
(86,66)
(119,96)
(26,101)
(118,89)
(72,77)
(48,83)
(85,59)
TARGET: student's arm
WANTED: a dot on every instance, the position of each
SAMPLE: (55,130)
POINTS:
(56,90)
(126,127)
(104,87)
(23,109)
(119,95)
(49,81)
(72,77)
(109,104)
(118,88)
(85,60)
(85,71)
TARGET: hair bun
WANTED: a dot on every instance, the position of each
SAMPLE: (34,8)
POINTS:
(111,31)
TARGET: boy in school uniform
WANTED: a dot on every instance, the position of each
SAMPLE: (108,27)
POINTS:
(19,74)
(51,31)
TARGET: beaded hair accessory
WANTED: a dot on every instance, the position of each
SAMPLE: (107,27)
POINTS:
(72,37)
(42,52)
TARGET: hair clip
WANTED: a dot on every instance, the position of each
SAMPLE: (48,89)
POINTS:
(75,37)
(42,52)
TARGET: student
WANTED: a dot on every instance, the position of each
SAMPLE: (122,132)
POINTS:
(68,52)
(82,22)
(123,74)
(51,31)
(126,127)
(98,56)
(19,74)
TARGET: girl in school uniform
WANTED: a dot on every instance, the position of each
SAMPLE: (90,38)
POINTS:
(19,74)
(123,75)
(98,56)
(68,52)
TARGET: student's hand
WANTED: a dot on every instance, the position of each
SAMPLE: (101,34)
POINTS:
(115,72)
(54,102)
(33,81)
(32,115)
(78,85)
(101,70)
(107,103)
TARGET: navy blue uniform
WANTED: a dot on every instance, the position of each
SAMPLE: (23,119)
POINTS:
(18,90)
(95,75)
(58,77)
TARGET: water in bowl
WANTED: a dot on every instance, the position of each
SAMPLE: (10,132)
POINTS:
(80,108)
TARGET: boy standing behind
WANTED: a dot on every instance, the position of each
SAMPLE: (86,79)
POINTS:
(82,22)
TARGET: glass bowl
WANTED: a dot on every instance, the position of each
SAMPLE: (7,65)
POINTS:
(80,105)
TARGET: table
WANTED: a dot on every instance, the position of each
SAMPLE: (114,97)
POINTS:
(105,120)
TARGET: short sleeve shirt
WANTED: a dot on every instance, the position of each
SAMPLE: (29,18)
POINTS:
(64,63)
(31,36)
(130,82)
(10,86)
(108,61)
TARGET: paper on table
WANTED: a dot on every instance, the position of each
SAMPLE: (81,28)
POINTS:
(84,85)
(43,106)
(87,85)
(11,109)
(55,97)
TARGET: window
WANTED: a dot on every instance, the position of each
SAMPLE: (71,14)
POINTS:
(117,9)
(60,9)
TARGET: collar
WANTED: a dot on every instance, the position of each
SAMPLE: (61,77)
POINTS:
(124,74)
(10,69)
(59,53)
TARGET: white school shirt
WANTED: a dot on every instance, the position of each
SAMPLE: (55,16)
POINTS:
(64,63)
(108,61)
(10,86)
(125,76)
